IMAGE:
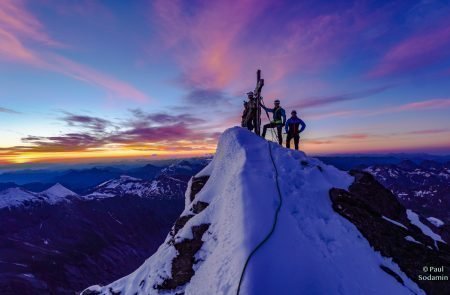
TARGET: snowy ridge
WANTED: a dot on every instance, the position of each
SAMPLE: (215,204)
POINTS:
(14,197)
(313,249)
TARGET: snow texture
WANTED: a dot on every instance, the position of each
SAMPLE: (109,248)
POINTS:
(414,218)
(312,251)
(394,222)
(14,197)
(435,221)
(411,239)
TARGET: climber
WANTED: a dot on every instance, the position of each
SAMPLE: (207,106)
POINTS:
(291,127)
(249,120)
(244,114)
(279,119)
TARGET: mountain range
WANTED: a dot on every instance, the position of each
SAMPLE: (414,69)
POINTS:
(262,219)
(55,241)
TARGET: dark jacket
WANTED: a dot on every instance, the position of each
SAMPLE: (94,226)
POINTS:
(292,125)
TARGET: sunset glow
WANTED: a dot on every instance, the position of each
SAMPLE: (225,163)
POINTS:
(84,80)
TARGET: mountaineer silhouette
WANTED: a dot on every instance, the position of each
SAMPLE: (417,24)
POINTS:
(279,119)
(292,129)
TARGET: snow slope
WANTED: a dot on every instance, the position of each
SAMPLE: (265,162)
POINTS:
(313,249)
(14,197)
(414,218)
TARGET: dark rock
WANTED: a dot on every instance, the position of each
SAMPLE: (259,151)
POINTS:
(199,207)
(90,292)
(197,184)
(424,188)
(366,202)
(180,223)
(392,273)
(377,196)
(182,264)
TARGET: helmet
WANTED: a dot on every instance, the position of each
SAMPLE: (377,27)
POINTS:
(277,101)
(294,112)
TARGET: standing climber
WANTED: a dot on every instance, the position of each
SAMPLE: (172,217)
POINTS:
(292,129)
(244,114)
(279,119)
(249,120)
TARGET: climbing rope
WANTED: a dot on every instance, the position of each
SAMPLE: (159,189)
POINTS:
(273,225)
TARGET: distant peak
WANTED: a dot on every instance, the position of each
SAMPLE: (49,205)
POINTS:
(59,190)
(126,177)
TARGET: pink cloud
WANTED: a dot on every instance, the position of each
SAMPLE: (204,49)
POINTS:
(205,43)
(321,116)
(15,18)
(84,73)
(327,100)
(427,104)
(20,28)
(420,50)
(431,104)
(220,43)
(354,136)
(12,49)
(429,131)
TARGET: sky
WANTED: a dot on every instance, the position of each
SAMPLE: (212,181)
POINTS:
(83,80)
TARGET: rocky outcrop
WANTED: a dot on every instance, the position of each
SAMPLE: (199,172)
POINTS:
(197,185)
(182,264)
(383,221)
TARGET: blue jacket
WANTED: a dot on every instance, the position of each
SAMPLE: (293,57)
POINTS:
(292,124)
(278,114)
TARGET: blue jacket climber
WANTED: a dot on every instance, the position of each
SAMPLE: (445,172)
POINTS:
(293,123)
(292,129)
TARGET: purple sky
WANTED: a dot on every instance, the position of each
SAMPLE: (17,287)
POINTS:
(94,79)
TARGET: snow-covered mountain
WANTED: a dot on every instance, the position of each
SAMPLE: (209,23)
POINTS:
(186,166)
(263,219)
(423,187)
(171,182)
(14,197)
(50,246)
(163,186)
